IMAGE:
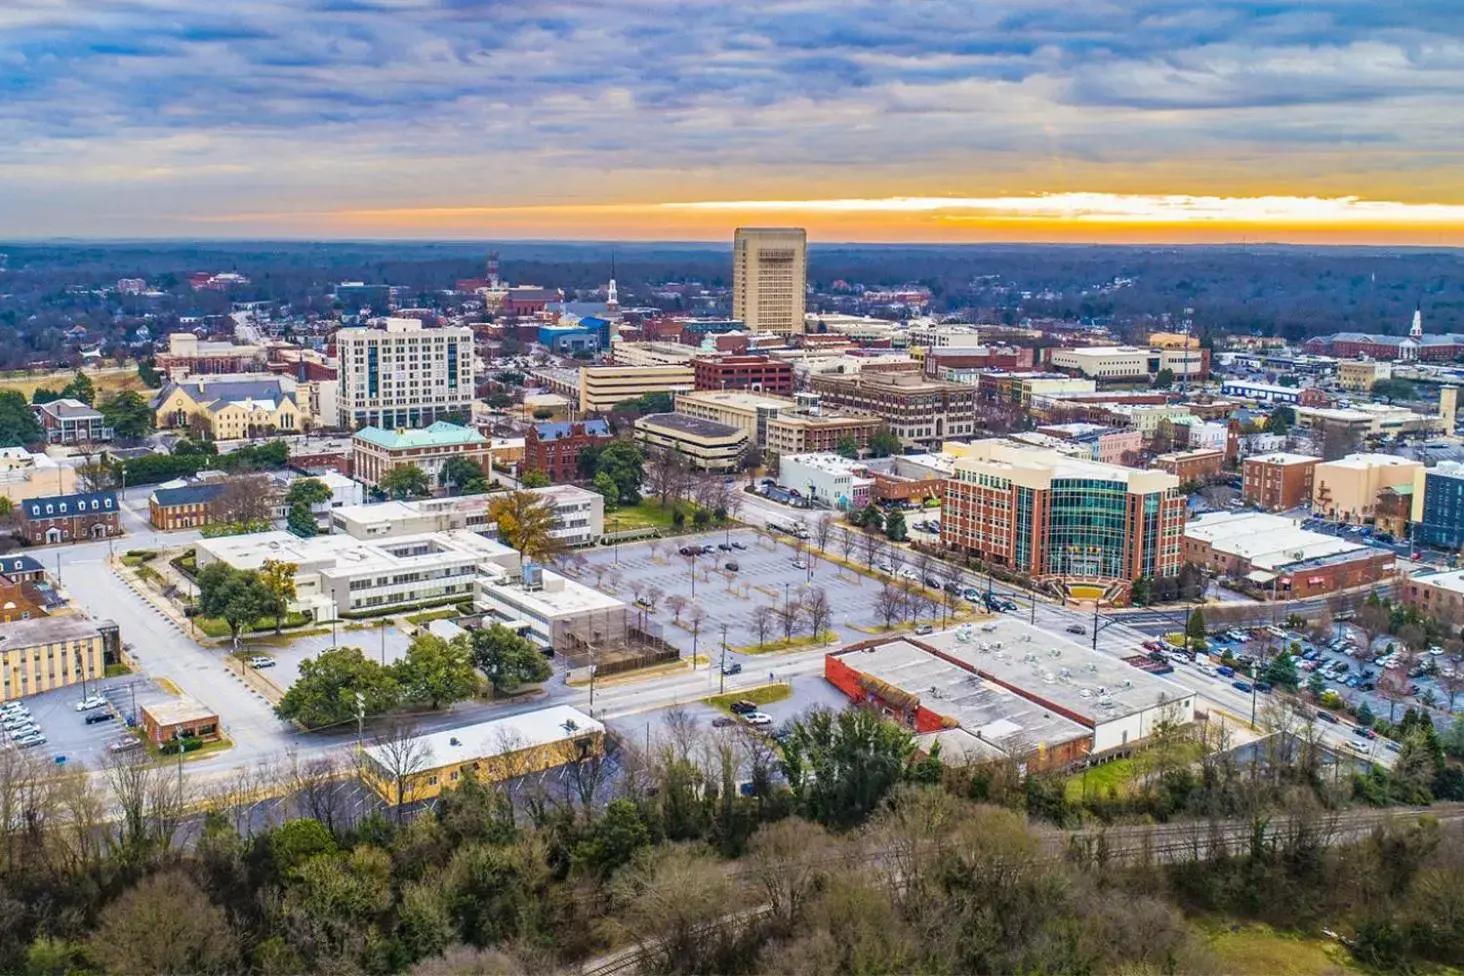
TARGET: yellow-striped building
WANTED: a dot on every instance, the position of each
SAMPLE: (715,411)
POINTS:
(43,653)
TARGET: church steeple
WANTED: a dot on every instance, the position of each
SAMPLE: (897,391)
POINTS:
(1417,331)
(612,297)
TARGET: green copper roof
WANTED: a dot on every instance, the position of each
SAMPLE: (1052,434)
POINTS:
(440,434)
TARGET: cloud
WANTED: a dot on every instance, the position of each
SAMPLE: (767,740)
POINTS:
(383,103)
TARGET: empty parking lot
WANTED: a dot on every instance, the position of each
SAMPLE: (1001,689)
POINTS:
(766,576)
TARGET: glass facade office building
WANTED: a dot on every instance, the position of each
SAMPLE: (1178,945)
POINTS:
(1078,525)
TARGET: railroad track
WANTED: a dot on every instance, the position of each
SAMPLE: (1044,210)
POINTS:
(1156,843)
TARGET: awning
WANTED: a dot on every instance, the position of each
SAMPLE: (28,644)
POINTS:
(1260,576)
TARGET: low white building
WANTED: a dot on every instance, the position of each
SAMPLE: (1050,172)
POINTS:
(339,575)
(545,607)
(579,516)
(828,480)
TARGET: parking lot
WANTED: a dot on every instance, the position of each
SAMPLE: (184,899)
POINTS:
(766,576)
(69,737)
(377,643)
(1351,672)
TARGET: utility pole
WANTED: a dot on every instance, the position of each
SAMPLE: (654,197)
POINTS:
(695,632)
(383,643)
(360,718)
(1095,624)
(722,683)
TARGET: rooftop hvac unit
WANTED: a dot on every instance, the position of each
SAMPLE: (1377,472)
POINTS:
(1085,693)
(1055,652)
(1091,667)
(1127,683)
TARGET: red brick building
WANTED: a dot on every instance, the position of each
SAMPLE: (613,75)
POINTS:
(71,518)
(1188,466)
(1277,482)
(760,373)
(554,448)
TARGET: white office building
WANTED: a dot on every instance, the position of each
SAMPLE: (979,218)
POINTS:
(827,480)
(403,374)
(545,606)
(339,575)
(579,516)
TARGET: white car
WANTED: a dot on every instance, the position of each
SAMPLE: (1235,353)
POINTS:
(1205,669)
(757,718)
(87,704)
(122,745)
(260,661)
(909,574)
(884,567)
(35,739)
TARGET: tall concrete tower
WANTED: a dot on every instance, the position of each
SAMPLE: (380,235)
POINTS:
(770,278)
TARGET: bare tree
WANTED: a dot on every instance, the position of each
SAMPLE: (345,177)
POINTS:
(823,530)
(655,548)
(397,757)
(1451,675)
(788,615)
(613,578)
(913,600)
(816,608)
(677,603)
(847,541)
(637,587)
(698,616)
(244,498)
(149,803)
(895,556)
(925,566)
(316,789)
(762,622)
(889,604)
(653,597)
(870,546)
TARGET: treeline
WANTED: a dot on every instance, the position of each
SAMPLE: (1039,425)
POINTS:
(190,457)
(693,852)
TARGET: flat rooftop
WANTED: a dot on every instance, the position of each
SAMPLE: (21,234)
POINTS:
(178,710)
(1096,687)
(1451,581)
(498,737)
(43,630)
(1266,541)
(1284,457)
(336,554)
(999,455)
(557,596)
(1362,462)
(694,426)
(738,399)
(996,715)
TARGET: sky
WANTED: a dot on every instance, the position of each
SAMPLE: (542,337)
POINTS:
(1316,121)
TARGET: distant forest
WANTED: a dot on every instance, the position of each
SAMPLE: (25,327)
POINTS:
(1290,291)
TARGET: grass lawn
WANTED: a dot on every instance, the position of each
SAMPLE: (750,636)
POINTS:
(418,619)
(1115,775)
(117,670)
(1259,949)
(771,647)
(763,695)
(649,514)
(214,627)
(106,383)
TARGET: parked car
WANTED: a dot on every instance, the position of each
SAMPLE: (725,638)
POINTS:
(1244,686)
(737,545)
(31,740)
(260,661)
(953,588)
(725,546)
(799,564)
(971,593)
(925,629)
(1326,716)
(122,745)
(933,582)
(87,704)
(732,667)
(744,707)
(909,574)
(96,718)
(732,566)
(722,721)
(1225,671)
(758,719)
(1076,629)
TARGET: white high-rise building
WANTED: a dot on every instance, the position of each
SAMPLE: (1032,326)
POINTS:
(403,374)
(769,278)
